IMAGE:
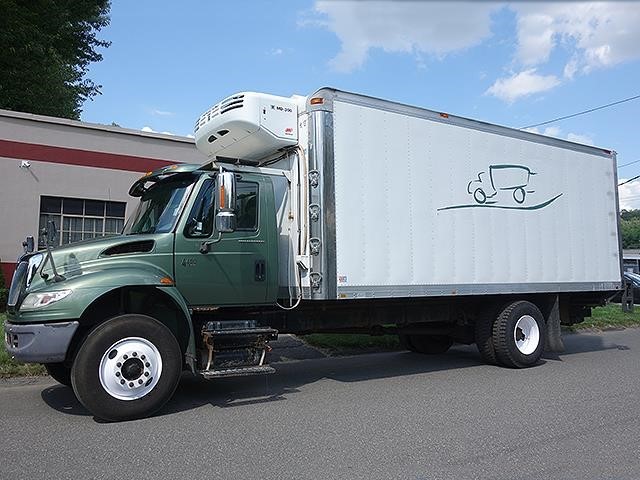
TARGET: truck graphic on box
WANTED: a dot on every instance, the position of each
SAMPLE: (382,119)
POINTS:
(513,178)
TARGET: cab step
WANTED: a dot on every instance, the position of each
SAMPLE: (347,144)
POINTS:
(237,372)
(233,348)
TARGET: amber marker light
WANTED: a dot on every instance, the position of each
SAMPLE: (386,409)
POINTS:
(166,281)
(222,196)
(444,115)
(316,101)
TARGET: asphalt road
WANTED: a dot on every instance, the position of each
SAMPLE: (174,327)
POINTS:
(387,416)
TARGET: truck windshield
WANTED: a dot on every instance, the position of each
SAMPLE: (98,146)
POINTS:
(160,206)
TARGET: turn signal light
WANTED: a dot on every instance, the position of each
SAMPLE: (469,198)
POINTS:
(166,281)
(316,101)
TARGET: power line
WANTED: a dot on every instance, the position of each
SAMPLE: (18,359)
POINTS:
(630,180)
(583,112)
(627,164)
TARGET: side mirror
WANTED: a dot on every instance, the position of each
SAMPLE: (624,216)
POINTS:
(226,203)
(28,244)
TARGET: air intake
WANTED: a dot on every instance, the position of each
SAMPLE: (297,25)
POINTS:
(141,246)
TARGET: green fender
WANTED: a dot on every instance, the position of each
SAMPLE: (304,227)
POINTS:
(86,288)
(92,285)
(190,354)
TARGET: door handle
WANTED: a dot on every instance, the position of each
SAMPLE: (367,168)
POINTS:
(260,270)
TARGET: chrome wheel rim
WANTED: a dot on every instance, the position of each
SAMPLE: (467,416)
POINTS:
(130,368)
(526,335)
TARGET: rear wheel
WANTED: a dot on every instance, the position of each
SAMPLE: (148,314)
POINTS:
(484,336)
(518,335)
(427,344)
(128,367)
(405,343)
(59,372)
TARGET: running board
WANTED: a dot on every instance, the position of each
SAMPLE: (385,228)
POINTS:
(237,372)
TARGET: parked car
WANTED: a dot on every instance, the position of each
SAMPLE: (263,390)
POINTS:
(634,278)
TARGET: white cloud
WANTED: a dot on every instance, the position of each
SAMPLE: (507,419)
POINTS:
(162,113)
(584,139)
(535,38)
(522,84)
(433,28)
(570,69)
(583,35)
(557,132)
(629,195)
(151,130)
(275,52)
(597,34)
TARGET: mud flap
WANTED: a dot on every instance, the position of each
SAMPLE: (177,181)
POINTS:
(554,338)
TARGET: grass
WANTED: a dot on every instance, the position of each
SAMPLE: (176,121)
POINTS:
(611,316)
(11,368)
(602,318)
(344,344)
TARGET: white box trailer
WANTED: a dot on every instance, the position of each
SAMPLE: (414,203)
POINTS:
(420,203)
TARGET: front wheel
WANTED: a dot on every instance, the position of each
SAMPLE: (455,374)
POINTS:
(128,367)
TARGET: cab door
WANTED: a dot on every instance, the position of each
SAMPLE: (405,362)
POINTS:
(236,270)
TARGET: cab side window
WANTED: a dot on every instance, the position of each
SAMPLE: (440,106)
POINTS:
(200,222)
(247,206)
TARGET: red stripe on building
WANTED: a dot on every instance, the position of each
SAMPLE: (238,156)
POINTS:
(7,269)
(84,158)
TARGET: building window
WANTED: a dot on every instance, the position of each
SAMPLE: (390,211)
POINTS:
(78,219)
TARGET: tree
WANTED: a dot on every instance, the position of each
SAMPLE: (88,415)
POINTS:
(47,46)
(630,228)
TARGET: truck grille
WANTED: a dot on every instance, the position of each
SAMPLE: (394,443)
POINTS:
(18,285)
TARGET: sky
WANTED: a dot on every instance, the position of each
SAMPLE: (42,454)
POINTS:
(514,64)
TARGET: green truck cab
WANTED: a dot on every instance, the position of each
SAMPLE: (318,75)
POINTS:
(87,310)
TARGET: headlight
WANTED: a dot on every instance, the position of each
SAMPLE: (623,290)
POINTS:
(37,300)
(34,263)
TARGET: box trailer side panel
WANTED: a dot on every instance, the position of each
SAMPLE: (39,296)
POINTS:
(428,207)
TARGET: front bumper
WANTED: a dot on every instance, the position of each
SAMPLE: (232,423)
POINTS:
(39,342)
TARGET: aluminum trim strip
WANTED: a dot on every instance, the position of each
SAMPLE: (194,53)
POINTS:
(391,291)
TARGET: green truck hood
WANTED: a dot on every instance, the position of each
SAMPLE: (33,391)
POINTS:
(79,262)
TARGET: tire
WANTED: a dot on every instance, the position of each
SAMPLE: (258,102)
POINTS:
(127,368)
(479,195)
(405,342)
(519,195)
(484,337)
(429,344)
(519,334)
(59,372)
